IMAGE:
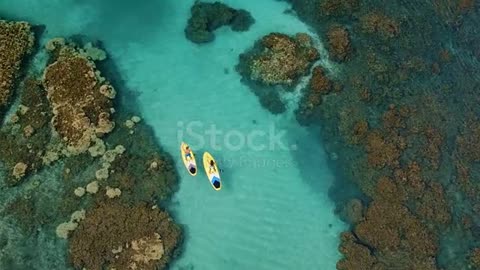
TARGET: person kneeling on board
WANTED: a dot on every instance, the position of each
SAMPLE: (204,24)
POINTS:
(188,153)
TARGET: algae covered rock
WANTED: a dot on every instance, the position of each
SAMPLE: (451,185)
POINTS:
(16,42)
(207,17)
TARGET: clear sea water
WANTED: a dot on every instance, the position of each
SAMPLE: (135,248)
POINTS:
(273,211)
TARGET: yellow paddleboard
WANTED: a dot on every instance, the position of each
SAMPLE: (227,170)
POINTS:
(189,162)
(212,171)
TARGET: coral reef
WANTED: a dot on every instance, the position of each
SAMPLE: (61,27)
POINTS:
(63,116)
(378,23)
(24,137)
(64,229)
(381,151)
(452,11)
(207,17)
(391,232)
(469,142)
(129,170)
(279,59)
(357,255)
(81,111)
(404,130)
(338,7)
(475,258)
(119,236)
(339,43)
(276,63)
(318,86)
(16,42)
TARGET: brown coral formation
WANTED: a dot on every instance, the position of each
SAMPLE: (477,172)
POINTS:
(432,206)
(16,41)
(400,240)
(432,149)
(339,7)
(390,237)
(359,132)
(379,23)
(389,231)
(319,86)
(417,161)
(381,151)
(398,237)
(282,59)
(78,99)
(451,11)
(469,143)
(475,258)
(119,236)
(339,43)
(356,255)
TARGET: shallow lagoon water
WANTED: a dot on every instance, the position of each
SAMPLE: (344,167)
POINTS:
(273,211)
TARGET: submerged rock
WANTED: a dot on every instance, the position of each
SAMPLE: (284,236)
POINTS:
(354,211)
(207,17)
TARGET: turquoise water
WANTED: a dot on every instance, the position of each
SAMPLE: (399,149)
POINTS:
(273,211)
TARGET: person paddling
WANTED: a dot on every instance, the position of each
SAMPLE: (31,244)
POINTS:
(188,153)
(212,166)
